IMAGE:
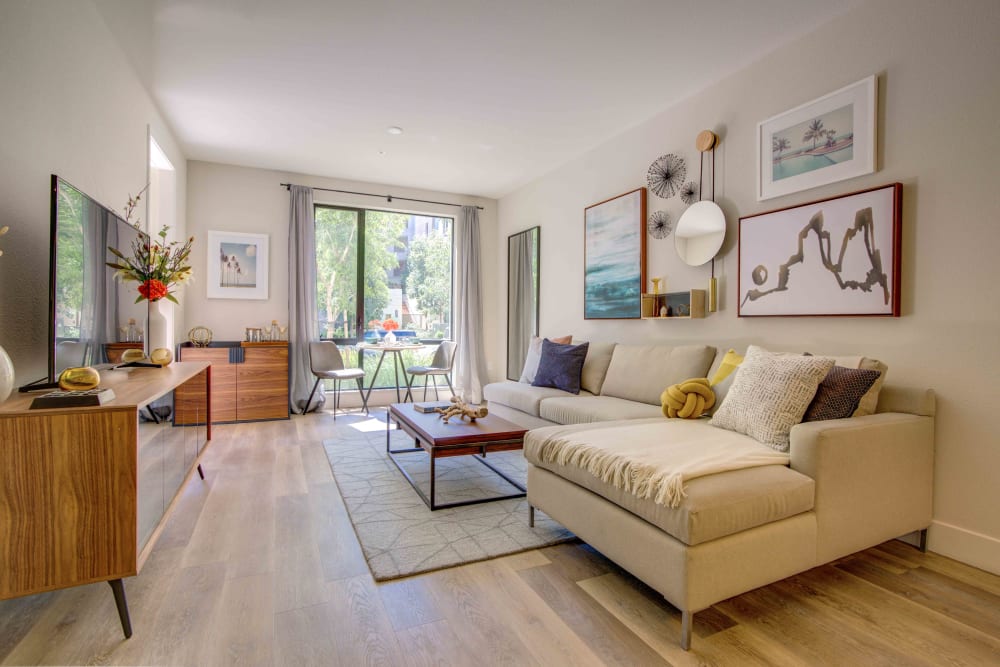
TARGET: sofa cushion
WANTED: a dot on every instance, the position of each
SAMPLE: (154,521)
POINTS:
(642,372)
(587,409)
(535,354)
(595,367)
(868,402)
(561,366)
(523,397)
(715,505)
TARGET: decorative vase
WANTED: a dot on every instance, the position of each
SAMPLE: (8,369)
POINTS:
(390,338)
(6,375)
(156,332)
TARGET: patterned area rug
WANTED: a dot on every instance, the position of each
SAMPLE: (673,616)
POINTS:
(399,535)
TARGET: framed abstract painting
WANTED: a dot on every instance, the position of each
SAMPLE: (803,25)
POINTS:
(837,256)
(237,265)
(824,141)
(615,257)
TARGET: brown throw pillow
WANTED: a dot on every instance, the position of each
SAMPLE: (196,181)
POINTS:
(839,393)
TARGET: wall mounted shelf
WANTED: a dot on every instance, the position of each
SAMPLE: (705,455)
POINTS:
(680,305)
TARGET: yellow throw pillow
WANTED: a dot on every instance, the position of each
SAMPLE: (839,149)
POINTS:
(687,400)
(729,364)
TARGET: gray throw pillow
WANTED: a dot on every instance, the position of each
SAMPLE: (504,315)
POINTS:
(560,366)
(770,394)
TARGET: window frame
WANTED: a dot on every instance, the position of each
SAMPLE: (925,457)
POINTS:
(359,315)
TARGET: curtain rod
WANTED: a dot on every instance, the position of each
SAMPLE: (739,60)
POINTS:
(388,198)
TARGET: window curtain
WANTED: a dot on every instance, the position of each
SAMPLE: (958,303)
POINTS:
(520,302)
(302,317)
(470,359)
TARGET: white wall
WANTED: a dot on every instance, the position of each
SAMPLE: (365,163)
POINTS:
(71,104)
(938,135)
(241,199)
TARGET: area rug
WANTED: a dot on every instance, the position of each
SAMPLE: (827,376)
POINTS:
(399,535)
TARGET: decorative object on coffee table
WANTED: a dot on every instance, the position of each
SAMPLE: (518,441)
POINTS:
(79,378)
(459,408)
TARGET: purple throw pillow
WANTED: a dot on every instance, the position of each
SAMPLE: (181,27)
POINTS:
(839,393)
(560,366)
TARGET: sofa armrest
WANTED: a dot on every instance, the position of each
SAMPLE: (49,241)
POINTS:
(874,478)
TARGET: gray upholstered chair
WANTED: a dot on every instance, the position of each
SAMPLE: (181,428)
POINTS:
(326,363)
(441,364)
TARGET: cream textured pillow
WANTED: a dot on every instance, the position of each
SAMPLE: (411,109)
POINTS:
(770,393)
(535,354)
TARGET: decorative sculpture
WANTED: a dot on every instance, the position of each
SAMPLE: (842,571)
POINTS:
(462,410)
(666,175)
(660,225)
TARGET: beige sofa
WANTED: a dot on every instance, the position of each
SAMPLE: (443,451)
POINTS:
(851,483)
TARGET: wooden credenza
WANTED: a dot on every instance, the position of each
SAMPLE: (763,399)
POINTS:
(249,381)
(84,492)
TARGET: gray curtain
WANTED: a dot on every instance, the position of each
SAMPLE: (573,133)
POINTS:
(99,316)
(302,317)
(520,301)
(470,359)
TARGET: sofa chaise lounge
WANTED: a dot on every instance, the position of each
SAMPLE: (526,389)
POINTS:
(849,483)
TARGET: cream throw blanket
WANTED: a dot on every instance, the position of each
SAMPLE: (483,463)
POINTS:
(650,458)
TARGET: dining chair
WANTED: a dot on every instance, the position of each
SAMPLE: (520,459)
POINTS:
(441,364)
(326,363)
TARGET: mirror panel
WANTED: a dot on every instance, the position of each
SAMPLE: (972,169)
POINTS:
(700,233)
(523,271)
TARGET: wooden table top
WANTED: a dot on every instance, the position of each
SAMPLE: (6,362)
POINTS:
(433,431)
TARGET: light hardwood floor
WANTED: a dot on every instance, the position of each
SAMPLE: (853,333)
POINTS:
(259,565)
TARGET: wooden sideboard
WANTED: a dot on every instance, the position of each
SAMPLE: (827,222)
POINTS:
(249,381)
(85,492)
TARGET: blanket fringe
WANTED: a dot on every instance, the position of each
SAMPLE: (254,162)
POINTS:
(640,480)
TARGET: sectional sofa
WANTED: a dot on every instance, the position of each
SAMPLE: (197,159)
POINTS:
(849,483)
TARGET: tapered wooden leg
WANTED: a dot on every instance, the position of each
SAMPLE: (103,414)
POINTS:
(923,540)
(118,588)
(201,473)
(686,617)
(531,516)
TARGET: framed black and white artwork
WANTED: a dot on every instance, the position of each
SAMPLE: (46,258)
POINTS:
(837,256)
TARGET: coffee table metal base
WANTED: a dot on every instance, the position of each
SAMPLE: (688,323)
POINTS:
(430,501)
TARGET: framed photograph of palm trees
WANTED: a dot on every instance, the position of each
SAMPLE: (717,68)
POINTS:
(237,265)
(614,257)
(826,140)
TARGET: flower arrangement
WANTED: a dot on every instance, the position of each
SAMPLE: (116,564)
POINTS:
(390,324)
(3,230)
(156,265)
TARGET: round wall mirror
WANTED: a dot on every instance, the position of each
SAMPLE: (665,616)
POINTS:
(700,233)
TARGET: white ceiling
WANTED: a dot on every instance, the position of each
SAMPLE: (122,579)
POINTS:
(490,94)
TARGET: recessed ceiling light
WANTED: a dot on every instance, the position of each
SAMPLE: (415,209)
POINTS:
(394,130)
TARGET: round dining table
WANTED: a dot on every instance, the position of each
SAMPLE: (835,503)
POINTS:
(396,349)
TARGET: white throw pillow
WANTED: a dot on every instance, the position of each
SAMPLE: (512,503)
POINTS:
(535,355)
(770,394)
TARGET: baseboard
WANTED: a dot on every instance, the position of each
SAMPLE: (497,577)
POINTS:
(972,548)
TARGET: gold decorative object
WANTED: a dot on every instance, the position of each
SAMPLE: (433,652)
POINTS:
(462,410)
(200,336)
(79,378)
(161,356)
(656,285)
(128,356)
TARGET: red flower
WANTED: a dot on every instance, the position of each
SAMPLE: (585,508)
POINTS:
(153,290)
(390,325)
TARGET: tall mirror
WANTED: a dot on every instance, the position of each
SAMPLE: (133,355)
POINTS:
(522,296)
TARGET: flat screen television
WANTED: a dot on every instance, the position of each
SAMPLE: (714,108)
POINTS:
(88,307)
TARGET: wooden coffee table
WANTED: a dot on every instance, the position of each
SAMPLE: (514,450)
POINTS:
(456,438)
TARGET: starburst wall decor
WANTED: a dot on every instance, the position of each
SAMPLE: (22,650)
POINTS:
(659,225)
(666,174)
(689,192)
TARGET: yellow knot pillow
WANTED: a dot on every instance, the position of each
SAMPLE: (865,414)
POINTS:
(687,400)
